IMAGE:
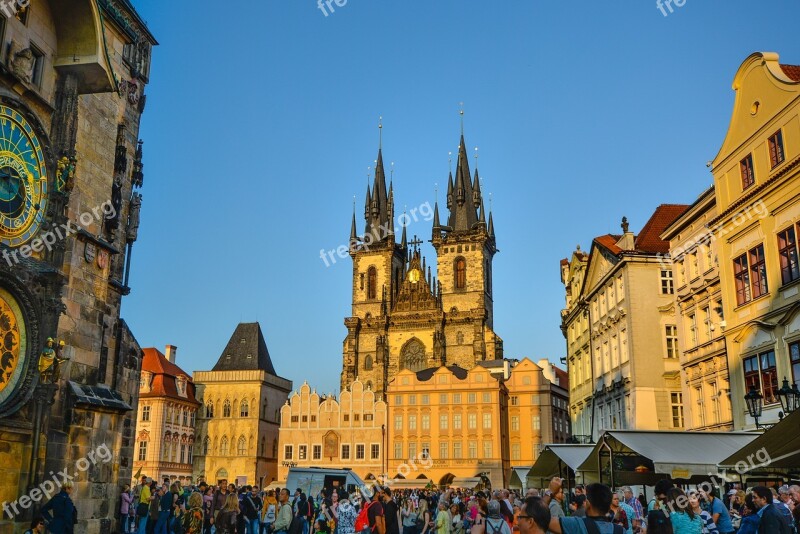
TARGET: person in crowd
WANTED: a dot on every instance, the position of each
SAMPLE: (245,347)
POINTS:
(556,496)
(495,523)
(598,504)
(227,518)
(781,507)
(391,512)
(208,504)
(377,521)
(619,515)
(251,507)
(334,509)
(143,505)
(37,526)
(534,516)
(750,517)
(682,517)
(457,522)
(157,493)
(220,498)
(126,508)
(409,516)
(165,503)
(718,511)
(634,503)
(269,512)
(709,526)
(346,521)
(283,521)
(321,527)
(736,504)
(59,512)
(442,519)
(577,507)
(424,522)
(193,520)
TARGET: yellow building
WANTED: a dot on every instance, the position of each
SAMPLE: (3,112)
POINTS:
(620,312)
(321,431)
(758,204)
(237,431)
(699,335)
(166,419)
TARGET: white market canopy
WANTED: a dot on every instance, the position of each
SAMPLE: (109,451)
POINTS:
(412,483)
(519,477)
(465,482)
(781,443)
(555,457)
(676,454)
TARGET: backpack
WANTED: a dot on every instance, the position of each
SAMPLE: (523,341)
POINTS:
(658,522)
(362,521)
(490,529)
(592,528)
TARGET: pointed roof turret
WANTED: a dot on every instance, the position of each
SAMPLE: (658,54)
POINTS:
(246,351)
(404,239)
(353,233)
(491,225)
(476,190)
(463,213)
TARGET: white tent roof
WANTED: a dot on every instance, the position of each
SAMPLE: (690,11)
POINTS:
(572,456)
(674,453)
(465,482)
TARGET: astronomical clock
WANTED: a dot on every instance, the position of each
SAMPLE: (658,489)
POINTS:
(23,207)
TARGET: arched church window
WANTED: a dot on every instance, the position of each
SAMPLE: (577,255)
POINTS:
(372,283)
(209,410)
(412,356)
(223,446)
(206,445)
(244,409)
(461,273)
(368,363)
(241,446)
(226,409)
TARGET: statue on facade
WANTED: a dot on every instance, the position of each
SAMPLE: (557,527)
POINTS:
(22,63)
(66,173)
(50,361)
(134,211)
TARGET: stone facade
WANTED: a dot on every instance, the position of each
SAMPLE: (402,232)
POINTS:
(322,431)
(403,317)
(699,336)
(75,72)
(237,430)
(166,419)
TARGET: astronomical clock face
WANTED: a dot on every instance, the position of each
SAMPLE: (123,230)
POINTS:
(12,345)
(23,179)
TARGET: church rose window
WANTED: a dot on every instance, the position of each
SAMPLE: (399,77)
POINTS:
(413,356)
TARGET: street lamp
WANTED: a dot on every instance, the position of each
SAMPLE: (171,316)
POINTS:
(754,400)
(786,396)
(796,395)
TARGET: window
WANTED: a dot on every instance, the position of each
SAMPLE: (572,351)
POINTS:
(750,273)
(748,174)
(515,399)
(356,416)
(444,448)
(412,422)
(398,422)
(398,400)
(456,398)
(287,452)
(372,283)
(667,283)
(296,418)
(443,422)
(760,372)
(368,363)
(345,452)
(142,451)
(787,250)
(302,452)
(700,411)
(487,421)
(209,410)
(536,424)
(38,66)
(776,149)
(226,409)
(487,449)
(473,450)
(426,450)
(223,446)
(412,450)
(241,446)
(693,329)
(472,421)
(794,356)
(672,340)
(206,445)
(758,271)
(316,452)
(360,451)
(487,398)
(191,418)
(515,451)
(742,278)
(676,400)
(183,453)
(189,456)
(426,422)
(244,409)
(443,398)
(514,422)
(185,417)
(374,451)
(346,417)
(145,413)
(707,323)
(472,398)
(426,399)
(457,450)
(412,400)
(398,450)
(456,421)
(461,273)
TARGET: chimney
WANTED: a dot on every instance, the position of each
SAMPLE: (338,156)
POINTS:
(170,353)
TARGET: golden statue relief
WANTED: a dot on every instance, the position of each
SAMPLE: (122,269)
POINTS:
(50,361)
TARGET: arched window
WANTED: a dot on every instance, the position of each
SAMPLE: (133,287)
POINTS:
(412,356)
(223,446)
(241,446)
(226,409)
(372,283)
(206,445)
(263,445)
(244,409)
(264,408)
(368,363)
(461,273)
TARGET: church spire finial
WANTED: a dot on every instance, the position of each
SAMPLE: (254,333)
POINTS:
(461,112)
(380,132)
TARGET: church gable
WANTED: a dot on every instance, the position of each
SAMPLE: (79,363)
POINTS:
(601,261)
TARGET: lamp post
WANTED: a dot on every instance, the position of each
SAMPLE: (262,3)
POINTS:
(788,397)
(754,400)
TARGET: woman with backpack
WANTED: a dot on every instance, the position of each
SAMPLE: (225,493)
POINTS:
(192,519)
(228,516)
(496,523)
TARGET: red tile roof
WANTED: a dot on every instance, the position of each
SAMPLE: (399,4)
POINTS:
(164,375)
(792,71)
(610,242)
(649,240)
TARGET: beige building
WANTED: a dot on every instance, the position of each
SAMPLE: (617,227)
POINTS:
(699,334)
(620,312)
(237,430)
(322,431)
(166,419)
(757,190)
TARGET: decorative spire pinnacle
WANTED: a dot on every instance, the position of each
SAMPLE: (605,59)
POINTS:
(461,112)
(353,235)
(380,133)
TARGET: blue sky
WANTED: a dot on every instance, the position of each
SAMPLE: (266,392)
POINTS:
(261,122)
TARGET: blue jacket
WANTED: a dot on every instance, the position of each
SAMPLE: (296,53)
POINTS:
(59,512)
(773,521)
(749,524)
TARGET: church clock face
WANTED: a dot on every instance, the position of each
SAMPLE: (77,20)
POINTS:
(12,345)
(23,179)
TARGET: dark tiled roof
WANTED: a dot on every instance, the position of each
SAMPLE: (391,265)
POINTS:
(792,71)
(649,239)
(246,351)
(98,397)
(426,374)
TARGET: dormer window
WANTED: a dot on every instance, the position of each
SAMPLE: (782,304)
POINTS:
(144,382)
(181,385)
